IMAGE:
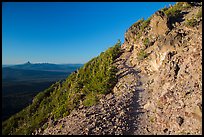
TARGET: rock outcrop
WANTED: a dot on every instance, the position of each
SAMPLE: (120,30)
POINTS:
(174,69)
(159,24)
(159,89)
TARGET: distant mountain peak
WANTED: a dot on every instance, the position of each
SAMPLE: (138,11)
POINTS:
(28,62)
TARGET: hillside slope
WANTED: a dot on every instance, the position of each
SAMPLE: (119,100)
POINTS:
(159,81)
(154,86)
(86,86)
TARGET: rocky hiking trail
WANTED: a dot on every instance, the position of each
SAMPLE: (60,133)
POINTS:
(117,113)
(137,82)
(158,89)
(161,94)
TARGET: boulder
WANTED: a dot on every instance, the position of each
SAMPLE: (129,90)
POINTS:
(159,23)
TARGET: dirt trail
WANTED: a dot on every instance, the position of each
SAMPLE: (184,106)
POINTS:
(137,82)
(115,114)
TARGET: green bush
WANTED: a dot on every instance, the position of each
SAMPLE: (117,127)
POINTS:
(141,55)
(145,24)
(175,10)
(139,34)
(191,23)
(142,24)
(183,5)
(146,42)
(91,99)
(199,14)
(164,9)
(138,23)
(139,27)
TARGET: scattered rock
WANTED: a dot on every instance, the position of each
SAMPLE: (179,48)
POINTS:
(180,120)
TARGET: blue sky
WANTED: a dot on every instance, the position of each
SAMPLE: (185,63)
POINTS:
(70,32)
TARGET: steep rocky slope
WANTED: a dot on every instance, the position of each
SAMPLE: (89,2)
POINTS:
(159,84)
(174,68)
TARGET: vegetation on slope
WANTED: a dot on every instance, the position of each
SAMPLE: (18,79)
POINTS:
(194,21)
(199,14)
(142,55)
(95,78)
(140,26)
(175,10)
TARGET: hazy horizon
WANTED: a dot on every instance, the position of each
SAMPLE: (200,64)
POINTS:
(43,62)
(61,32)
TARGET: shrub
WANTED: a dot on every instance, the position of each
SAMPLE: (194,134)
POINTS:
(152,119)
(141,55)
(139,34)
(183,5)
(164,9)
(175,10)
(145,24)
(140,26)
(191,23)
(91,99)
(138,23)
(199,14)
(146,42)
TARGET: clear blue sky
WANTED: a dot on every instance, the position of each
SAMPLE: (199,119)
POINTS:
(70,32)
